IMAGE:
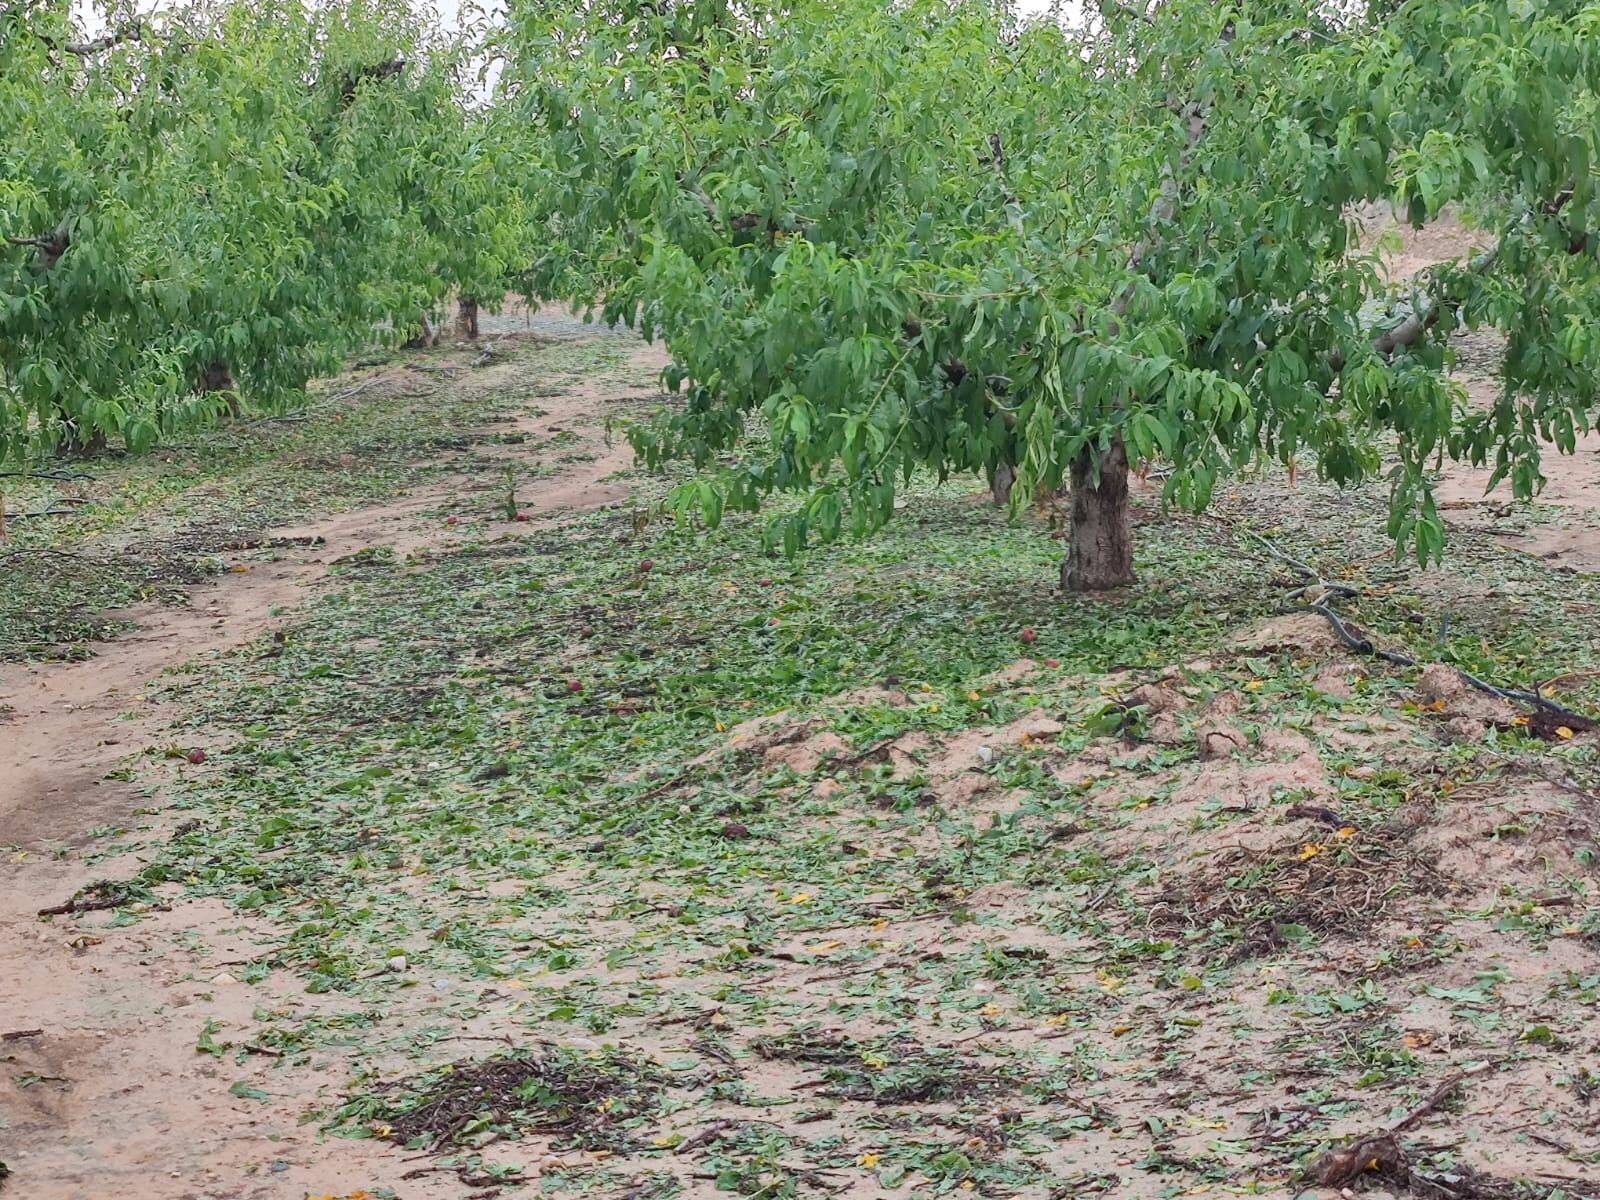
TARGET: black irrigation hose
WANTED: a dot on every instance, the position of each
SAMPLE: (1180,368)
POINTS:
(43,512)
(37,516)
(1364,645)
(66,475)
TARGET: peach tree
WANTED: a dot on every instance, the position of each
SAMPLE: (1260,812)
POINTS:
(205,207)
(931,236)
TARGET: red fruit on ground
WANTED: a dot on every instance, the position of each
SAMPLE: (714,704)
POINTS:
(1028,635)
(766,583)
(522,516)
(574,686)
(647,564)
(197,757)
(1052,662)
(772,620)
(450,520)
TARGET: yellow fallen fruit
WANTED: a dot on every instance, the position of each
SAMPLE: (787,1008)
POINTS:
(1563,733)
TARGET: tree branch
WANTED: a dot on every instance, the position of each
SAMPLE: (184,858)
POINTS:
(123,33)
(996,158)
(1164,209)
(51,246)
(354,79)
(1410,330)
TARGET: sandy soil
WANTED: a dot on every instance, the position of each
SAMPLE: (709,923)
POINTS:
(147,1117)
(1421,871)
(1561,528)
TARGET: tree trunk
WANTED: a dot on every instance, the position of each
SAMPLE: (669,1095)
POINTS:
(78,443)
(218,377)
(1005,475)
(467,318)
(424,340)
(1100,550)
(81,446)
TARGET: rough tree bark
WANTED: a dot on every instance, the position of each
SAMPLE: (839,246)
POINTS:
(50,248)
(467,318)
(1005,476)
(1100,545)
(1100,549)
(217,377)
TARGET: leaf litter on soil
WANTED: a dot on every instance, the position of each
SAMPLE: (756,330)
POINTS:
(586,1101)
(892,1071)
(1339,882)
(986,925)
(898,903)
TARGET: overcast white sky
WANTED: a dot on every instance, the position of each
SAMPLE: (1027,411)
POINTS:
(448,12)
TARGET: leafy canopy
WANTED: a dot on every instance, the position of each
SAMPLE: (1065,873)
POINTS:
(883,237)
(228,198)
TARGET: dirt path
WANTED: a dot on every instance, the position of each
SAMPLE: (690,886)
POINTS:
(112,1095)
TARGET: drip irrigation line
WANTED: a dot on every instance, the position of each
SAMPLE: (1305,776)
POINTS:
(64,475)
(1316,596)
(43,512)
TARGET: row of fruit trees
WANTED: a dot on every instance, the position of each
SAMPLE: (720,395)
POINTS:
(931,236)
